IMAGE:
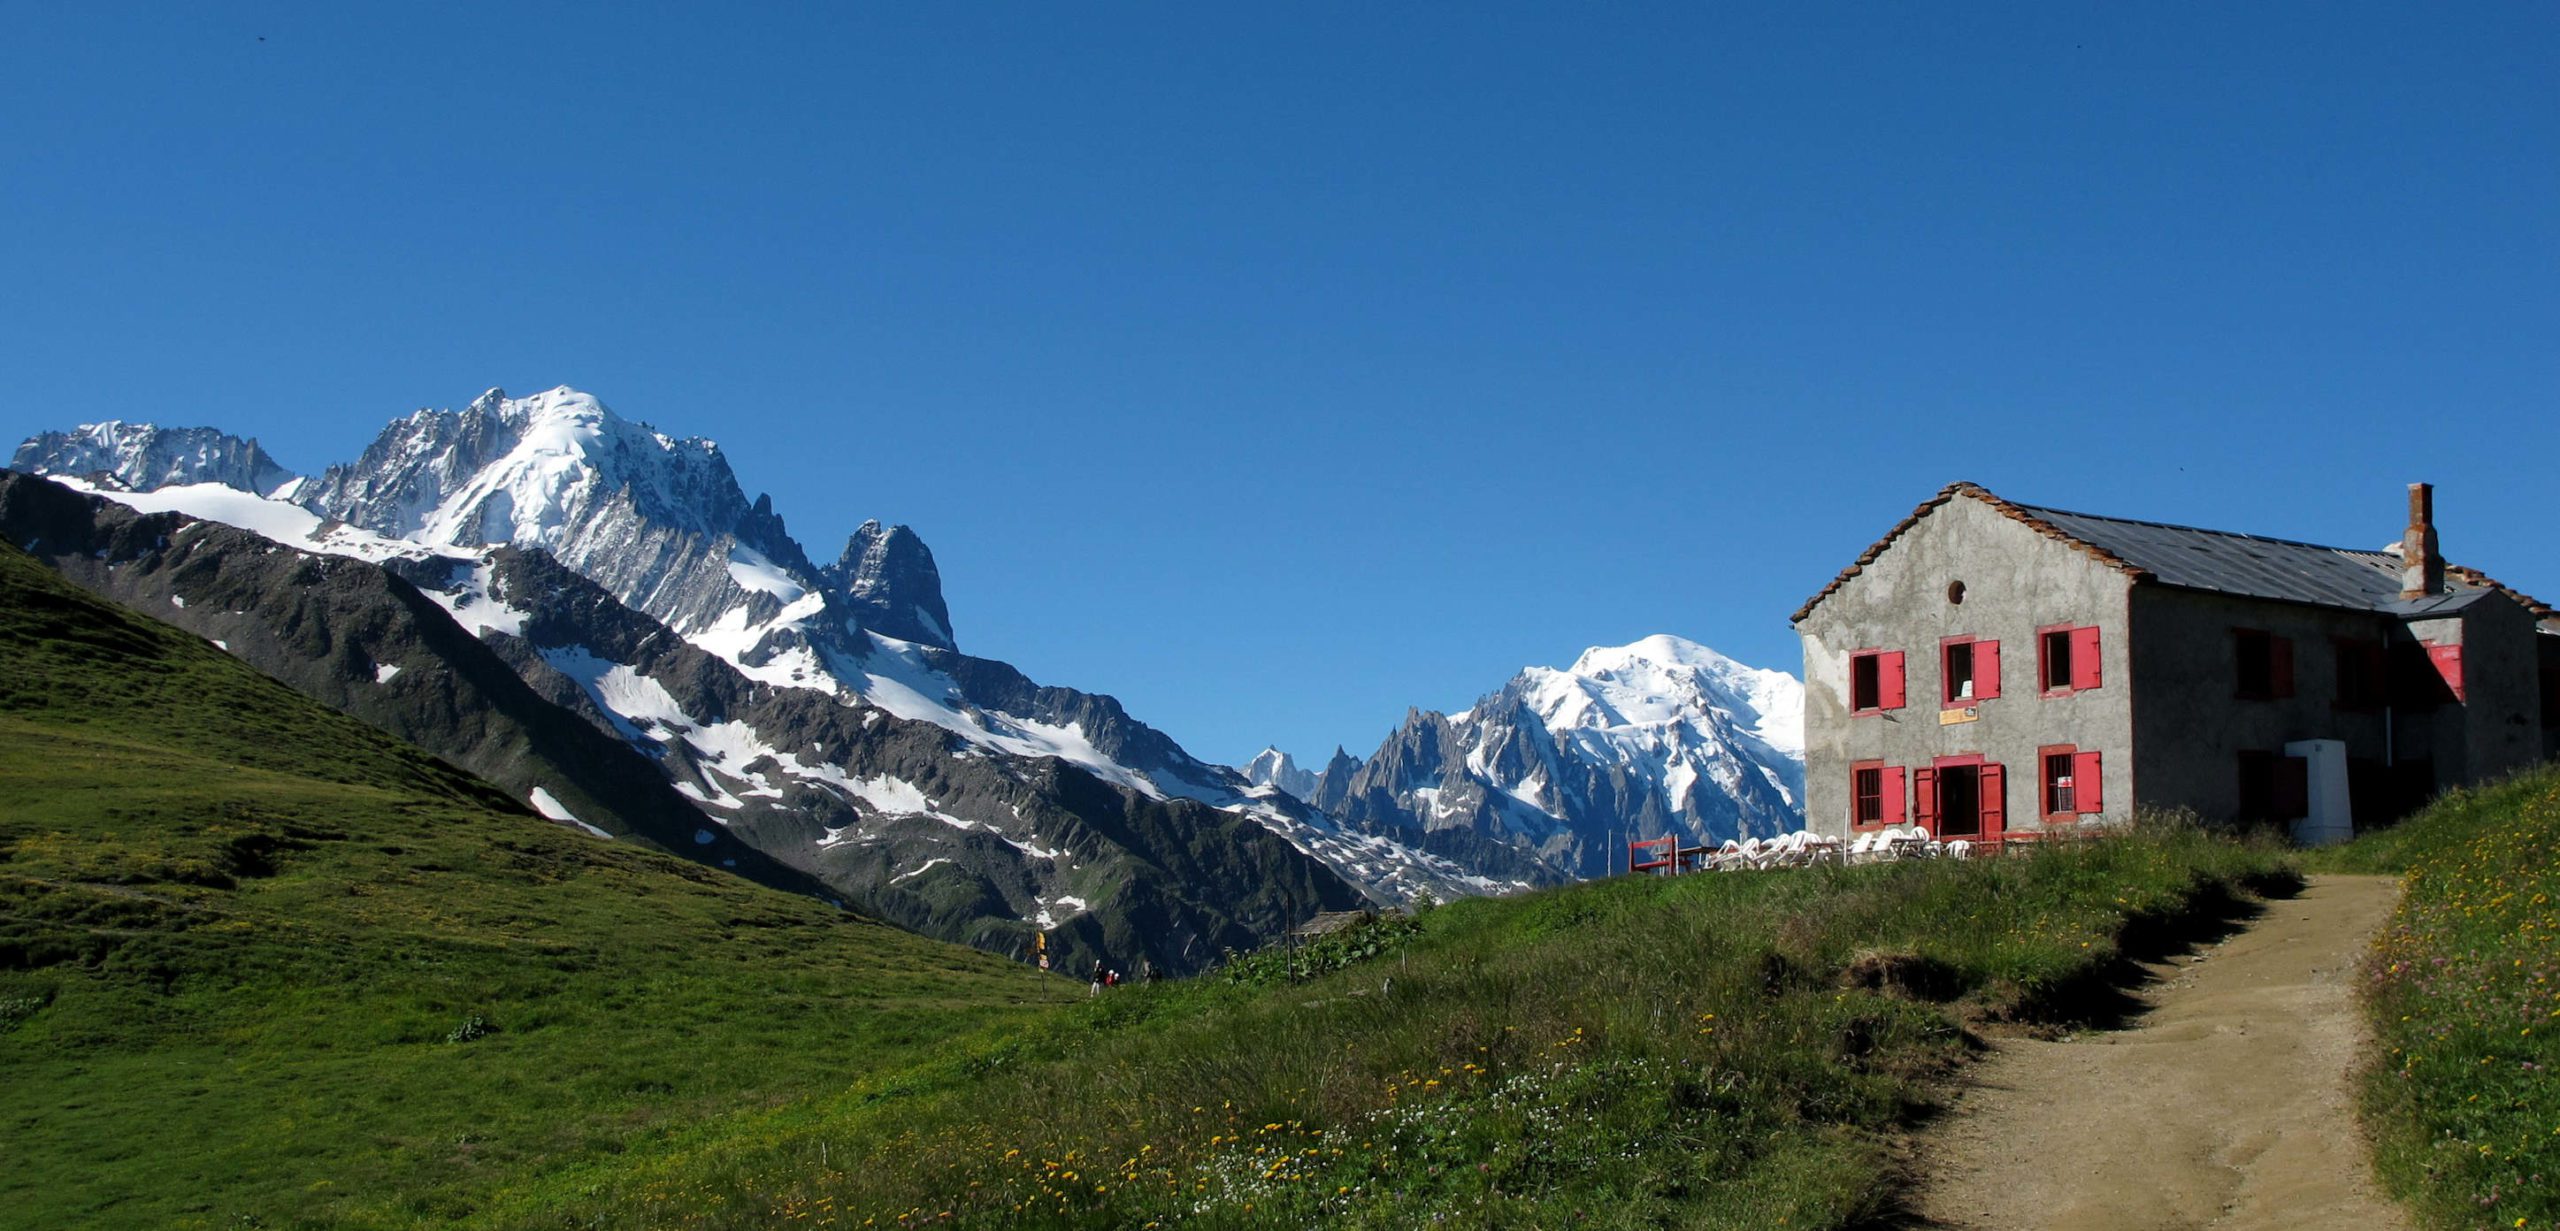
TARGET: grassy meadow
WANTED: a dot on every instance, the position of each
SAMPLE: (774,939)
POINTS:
(263,966)
(2464,996)
(1733,1050)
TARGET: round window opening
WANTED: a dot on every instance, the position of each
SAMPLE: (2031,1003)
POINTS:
(1955,592)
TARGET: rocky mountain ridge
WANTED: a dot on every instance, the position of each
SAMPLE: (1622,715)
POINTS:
(551,530)
(1557,769)
(141,456)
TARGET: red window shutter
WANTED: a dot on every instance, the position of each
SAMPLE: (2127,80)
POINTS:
(2280,665)
(1893,805)
(2085,777)
(1924,798)
(2293,788)
(1889,679)
(2084,658)
(1995,799)
(1986,670)
(2448,664)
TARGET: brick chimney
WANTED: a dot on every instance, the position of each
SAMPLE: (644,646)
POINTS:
(2421,565)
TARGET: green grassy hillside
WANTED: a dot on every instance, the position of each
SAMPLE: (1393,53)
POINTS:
(1712,1051)
(2462,1098)
(261,965)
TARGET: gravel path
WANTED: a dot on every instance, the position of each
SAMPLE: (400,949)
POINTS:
(2227,1105)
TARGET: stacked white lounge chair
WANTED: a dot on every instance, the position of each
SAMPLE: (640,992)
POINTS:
(1805,848)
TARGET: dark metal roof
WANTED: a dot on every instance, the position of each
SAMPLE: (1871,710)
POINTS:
(2246,564)
(2221,561)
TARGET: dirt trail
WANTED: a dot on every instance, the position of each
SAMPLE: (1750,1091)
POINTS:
(2227,1105)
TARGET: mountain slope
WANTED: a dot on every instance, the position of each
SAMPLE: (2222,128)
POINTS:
(600,713)
(661,526)
(1558,769)
(360,640)
(262,964)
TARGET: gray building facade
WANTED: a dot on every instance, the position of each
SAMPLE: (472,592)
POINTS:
(1991,670)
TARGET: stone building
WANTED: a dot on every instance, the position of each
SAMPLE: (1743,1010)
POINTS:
(1992,669)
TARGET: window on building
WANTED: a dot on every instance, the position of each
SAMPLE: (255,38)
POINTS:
(1969,670)
(2273,787)
(2066,659)
(2264,662)
(2257,784)
(1866,795)
(1875,794)
(1961,797)
(2072,781)
(1875,681)
(2360,673)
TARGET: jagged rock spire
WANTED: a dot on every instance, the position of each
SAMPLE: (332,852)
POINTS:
(887,576)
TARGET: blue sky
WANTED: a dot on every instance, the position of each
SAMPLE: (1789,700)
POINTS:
(1277,368)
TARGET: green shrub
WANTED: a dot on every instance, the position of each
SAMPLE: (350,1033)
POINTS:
(1372,938)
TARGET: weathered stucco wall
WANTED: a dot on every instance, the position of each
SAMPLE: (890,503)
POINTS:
(2015,581)
(2501,666)
(2190,722)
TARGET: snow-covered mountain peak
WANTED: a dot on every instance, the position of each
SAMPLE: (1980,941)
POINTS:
(659,521)
(1660,649)
(543,462)
(143,456)
(1662,678)
(1272,767)
(1662,735)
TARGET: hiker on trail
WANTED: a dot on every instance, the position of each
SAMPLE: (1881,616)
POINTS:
(1112,979)
(1097,977)
(1146,971)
